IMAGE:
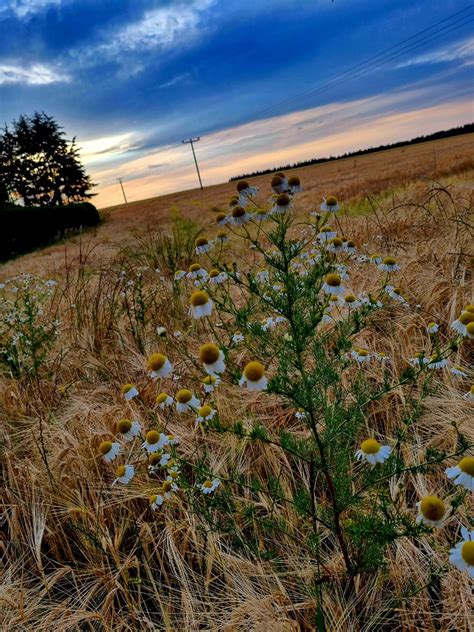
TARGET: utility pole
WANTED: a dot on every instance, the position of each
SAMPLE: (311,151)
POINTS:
(123,190)
(191,141)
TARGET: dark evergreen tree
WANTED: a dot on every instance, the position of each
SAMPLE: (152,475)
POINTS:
(39,166)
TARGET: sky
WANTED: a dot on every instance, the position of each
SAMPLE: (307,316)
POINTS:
(262,82)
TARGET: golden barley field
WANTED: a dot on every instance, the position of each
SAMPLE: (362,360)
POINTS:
(81,553)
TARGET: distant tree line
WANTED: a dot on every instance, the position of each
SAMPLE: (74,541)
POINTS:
(455,131)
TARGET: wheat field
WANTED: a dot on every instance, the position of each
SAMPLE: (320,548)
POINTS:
(78,554)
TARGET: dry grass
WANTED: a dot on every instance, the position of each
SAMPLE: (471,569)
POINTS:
(77,555)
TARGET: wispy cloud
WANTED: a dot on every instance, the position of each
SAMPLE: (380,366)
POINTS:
(178,79)
(107,148)
(33,75)
(26,8)
(462,51)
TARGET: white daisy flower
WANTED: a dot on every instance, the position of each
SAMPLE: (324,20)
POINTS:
(294,184)
(210,382)
(333,285)
(179,274)
(437,362)
(205,413)
(375,258)
(128,429)
(156,501)
(419,360)
(254,377)
(350,301)
(222,237)
(389,264)
(395,293)
(240,216)
(458,371)
(186,401)
(173,439)
(164,400)
(326,234)
(222,219)
(301,414)
(282,204)
(462,556)
(200,304)
(155,441)
(245,190)
(432,328)
(237,337)
(124,474)
(461,323)
(261,215)
(350,247)
(279,183)
(360,355)
(463,473)
(157,460)
(470,394)
(196,272)
(203,245)
(129,391)
(330,204)
(336,245)
(208,487)
(212,358)
(431,511)
(159,366)
(371,451)
(109,450)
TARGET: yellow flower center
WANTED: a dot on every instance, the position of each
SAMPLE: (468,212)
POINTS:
(470,328)
(466,465)
(222,235)
(469,308)
(174,474)
(432,324)
(467,552)
(156,361)
(466,317)
(390,261)
(162,397)
(209,353)
(201,241)
(214,273)
(254,371)
(333,280)
(334,298)
(205,411)
(283,200)
(331,200)
(152,437)
(472,389)
(154,458)
(350,298)
(194,267)
(120,471)
(209,379)
(242,185)
(326,229)
(199,298)
(166,486)
(363,352)
(220,217)
(294,181)
(207,484)
(183,396)
(370,446)
(276,181)
(105,447)
(351,244)
(238,211)
(126,388)
(375,256)
(432,508)
(337,241)
(397,290)
(152,499)
(124,426)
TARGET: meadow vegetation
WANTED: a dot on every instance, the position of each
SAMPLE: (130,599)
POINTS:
(247,415)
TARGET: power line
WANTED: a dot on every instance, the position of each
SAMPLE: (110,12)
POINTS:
(123,190)
(191,142)
(382,57)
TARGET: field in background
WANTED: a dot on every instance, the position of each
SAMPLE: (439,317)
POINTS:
(59,574)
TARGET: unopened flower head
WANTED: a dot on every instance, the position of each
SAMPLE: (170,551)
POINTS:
(128,429)
(373,452)
(159,365)
(202,245)
(200,304)
(333,285)
(109,450)
(462,556)
(330,204)
(164,400)
(186,401)
(212,358)
(282,204)
(129,391)
(431,511)
(254,377)
(389,264)
(463,473)
(124,474)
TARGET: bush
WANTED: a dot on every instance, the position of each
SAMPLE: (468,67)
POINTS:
(25,228)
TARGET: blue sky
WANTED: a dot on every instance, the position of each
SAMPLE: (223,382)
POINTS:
(131,78)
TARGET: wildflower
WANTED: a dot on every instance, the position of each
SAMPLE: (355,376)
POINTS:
(208,487)
(360,355)
(128,429)
(330,204)
(158,499)
(179,274)
(282,204)
(216,277)
(200,304)
(279,183)
(212,358)
(350,301)
(326,233)
(155,460)
(301,414)
(460,324)
(462,556)
(383,357)
(129,391)
(350,247)
(196,272)
(222,219)
(109,450)
(261,215)
(431,511)
(333,285)
(294,184)
(458,371)
(432,328)
(154,441)
(159,365)
(240,216)
(395,293)
(245,190)
(470,330)
(205,413)
(202,245)
(375,258)
(437,362)
(389,264)
(222,237)
(336,245)
(470,394)
(186,401)
(210,382)
(372,452)
(164,400)
(463,473)
(254,377)
(124,474)
(237,337)
(161,331)
(419,360)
